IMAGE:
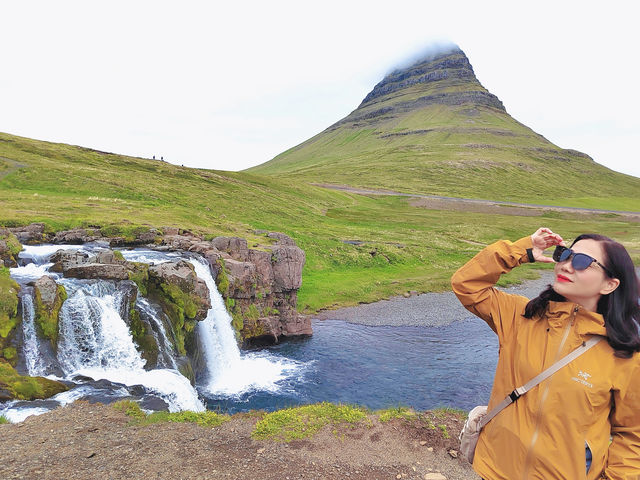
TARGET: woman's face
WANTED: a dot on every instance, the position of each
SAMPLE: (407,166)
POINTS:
(584,286)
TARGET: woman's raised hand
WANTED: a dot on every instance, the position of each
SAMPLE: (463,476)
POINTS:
(542,239)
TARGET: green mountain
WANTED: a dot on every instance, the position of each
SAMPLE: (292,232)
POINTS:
(432,128)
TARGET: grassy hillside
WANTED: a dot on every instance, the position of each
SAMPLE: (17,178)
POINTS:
(434,129)
(403,247)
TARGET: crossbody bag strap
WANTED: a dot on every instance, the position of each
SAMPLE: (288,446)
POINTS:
(518,392)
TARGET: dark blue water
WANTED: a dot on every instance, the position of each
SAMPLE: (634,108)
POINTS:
(379,367)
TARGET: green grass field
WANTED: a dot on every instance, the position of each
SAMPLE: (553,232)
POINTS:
(404,248)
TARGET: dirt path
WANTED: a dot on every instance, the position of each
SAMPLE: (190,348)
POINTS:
(480,206)
(93,441)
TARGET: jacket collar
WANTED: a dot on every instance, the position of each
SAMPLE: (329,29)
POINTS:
(587,322)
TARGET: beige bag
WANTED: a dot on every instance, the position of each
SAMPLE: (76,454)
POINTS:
(478,417)
(471,431)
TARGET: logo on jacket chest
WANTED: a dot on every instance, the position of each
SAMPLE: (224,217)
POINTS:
(584,376)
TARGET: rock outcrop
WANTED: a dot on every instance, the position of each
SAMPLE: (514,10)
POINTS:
(49,297)
(259,284)
(9,248)
(9,316)
(14,386)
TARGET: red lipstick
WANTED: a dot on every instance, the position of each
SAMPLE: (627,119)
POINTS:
(562,278)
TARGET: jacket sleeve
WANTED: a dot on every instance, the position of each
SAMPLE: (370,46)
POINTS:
(624,451)
(474,283)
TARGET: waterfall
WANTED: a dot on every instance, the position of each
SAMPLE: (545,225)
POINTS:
(96,342)
(229,372)
(155,316)
(31,345)
(92,334)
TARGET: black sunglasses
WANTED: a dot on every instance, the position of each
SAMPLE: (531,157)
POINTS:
(579,261)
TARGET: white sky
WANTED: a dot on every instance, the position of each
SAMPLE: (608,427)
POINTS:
(230,85)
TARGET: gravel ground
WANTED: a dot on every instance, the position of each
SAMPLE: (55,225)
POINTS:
(84,441)
(427,309)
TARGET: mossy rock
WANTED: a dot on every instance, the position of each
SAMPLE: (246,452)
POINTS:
(139,274)
(222,279)
(19,387)
(47,318)
(142,336)
(10,248)
(8,305)
(181,307)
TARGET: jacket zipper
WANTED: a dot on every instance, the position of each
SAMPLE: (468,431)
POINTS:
(543,397)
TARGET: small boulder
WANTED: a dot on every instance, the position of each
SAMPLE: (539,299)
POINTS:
(434,476)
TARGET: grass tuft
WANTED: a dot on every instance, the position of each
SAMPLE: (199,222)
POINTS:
(391,413)
(304,421)
(207,418)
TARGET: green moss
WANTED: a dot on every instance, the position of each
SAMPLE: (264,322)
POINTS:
(222,279)
(181,308)
(118,255)
(27,388)
(252,313)
(47,318)
(3,420)
(139,274)
(301,422)
(8,304)
(14,245)
(144,339)
(11,355)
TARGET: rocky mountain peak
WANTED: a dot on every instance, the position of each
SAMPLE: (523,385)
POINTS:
(444,76)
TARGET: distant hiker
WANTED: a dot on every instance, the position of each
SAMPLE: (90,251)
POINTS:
(162,159)
(154,157)
(586,416)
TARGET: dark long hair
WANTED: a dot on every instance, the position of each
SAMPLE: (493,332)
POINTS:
(619,308)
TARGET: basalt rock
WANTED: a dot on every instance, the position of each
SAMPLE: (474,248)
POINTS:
(30,234)
(260,288)
(9,248)
(183,296)
(49,297)
(63,259)
(97,270)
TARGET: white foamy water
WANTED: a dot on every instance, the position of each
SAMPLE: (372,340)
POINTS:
(149,256)
(18,414)
(31,344)
(96,342)
(39,254)
(30,272)
(229,371)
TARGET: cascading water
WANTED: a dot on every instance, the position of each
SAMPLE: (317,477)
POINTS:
(94,341)
(229,372)
(31,346)
(155,315)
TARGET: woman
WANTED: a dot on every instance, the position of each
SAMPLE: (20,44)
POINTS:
(584,421)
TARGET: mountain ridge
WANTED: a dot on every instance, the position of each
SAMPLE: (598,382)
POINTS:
(432,128)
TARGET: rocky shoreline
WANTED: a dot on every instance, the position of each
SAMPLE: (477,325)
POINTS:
(423,310)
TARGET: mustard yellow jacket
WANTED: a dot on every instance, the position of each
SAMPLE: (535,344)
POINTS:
(590,401)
